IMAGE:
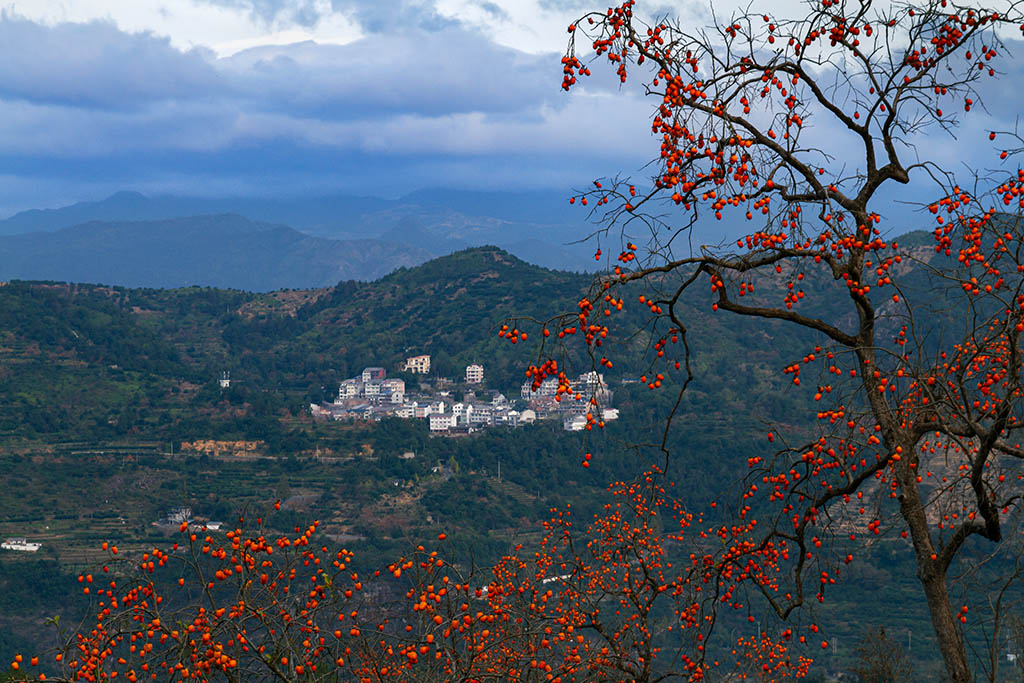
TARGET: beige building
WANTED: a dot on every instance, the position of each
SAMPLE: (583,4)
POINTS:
(418,364)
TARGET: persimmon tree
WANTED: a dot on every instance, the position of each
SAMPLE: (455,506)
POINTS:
(802,127)
(597,602)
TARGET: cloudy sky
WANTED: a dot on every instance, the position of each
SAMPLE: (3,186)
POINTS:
(286,97)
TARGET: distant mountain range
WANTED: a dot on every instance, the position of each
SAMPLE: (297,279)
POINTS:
(263,244)
(225,250)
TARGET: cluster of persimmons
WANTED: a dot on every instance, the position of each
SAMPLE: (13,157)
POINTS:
(617,599)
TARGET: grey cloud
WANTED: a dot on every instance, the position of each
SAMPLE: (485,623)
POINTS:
(432,73)
(301,12)
(374,16)
(96,65)
(566,5)
(494,10)
(90,89)
(379,16)
(408,71)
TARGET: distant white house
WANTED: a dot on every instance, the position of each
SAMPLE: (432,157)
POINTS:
(441,422)
(21,544)
(474,374)
(576,423)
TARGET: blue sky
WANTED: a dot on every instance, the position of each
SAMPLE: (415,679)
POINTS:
(291,97)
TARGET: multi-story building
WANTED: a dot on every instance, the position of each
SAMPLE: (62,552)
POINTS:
(474,374)
(592,385)
(393,389)
(349,388)
(418,364)
(374,375)
(480,415)
(549,387)
(441,422)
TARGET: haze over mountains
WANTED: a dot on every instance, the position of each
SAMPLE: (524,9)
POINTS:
(264,244)
(226,250)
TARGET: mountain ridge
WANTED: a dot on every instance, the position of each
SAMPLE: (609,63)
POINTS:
(539,224)
(222,250)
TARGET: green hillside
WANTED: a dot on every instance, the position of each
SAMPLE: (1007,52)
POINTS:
(102,385)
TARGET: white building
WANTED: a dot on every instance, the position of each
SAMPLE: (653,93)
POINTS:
(21,544)
(441,422)
(428,409)
(474,374)
(591,385)
(549,387)
(418,364)
(576,423)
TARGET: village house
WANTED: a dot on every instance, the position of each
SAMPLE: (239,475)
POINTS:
(21,544)
(474,374)
(417,364)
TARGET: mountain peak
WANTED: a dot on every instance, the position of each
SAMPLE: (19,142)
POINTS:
(126,195)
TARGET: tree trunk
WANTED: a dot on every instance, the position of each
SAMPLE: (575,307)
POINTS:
(946,631)
(933,578)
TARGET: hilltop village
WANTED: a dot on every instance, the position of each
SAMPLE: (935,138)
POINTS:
(461,407)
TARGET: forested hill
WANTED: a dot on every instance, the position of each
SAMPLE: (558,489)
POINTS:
(86,361)
(74,357)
